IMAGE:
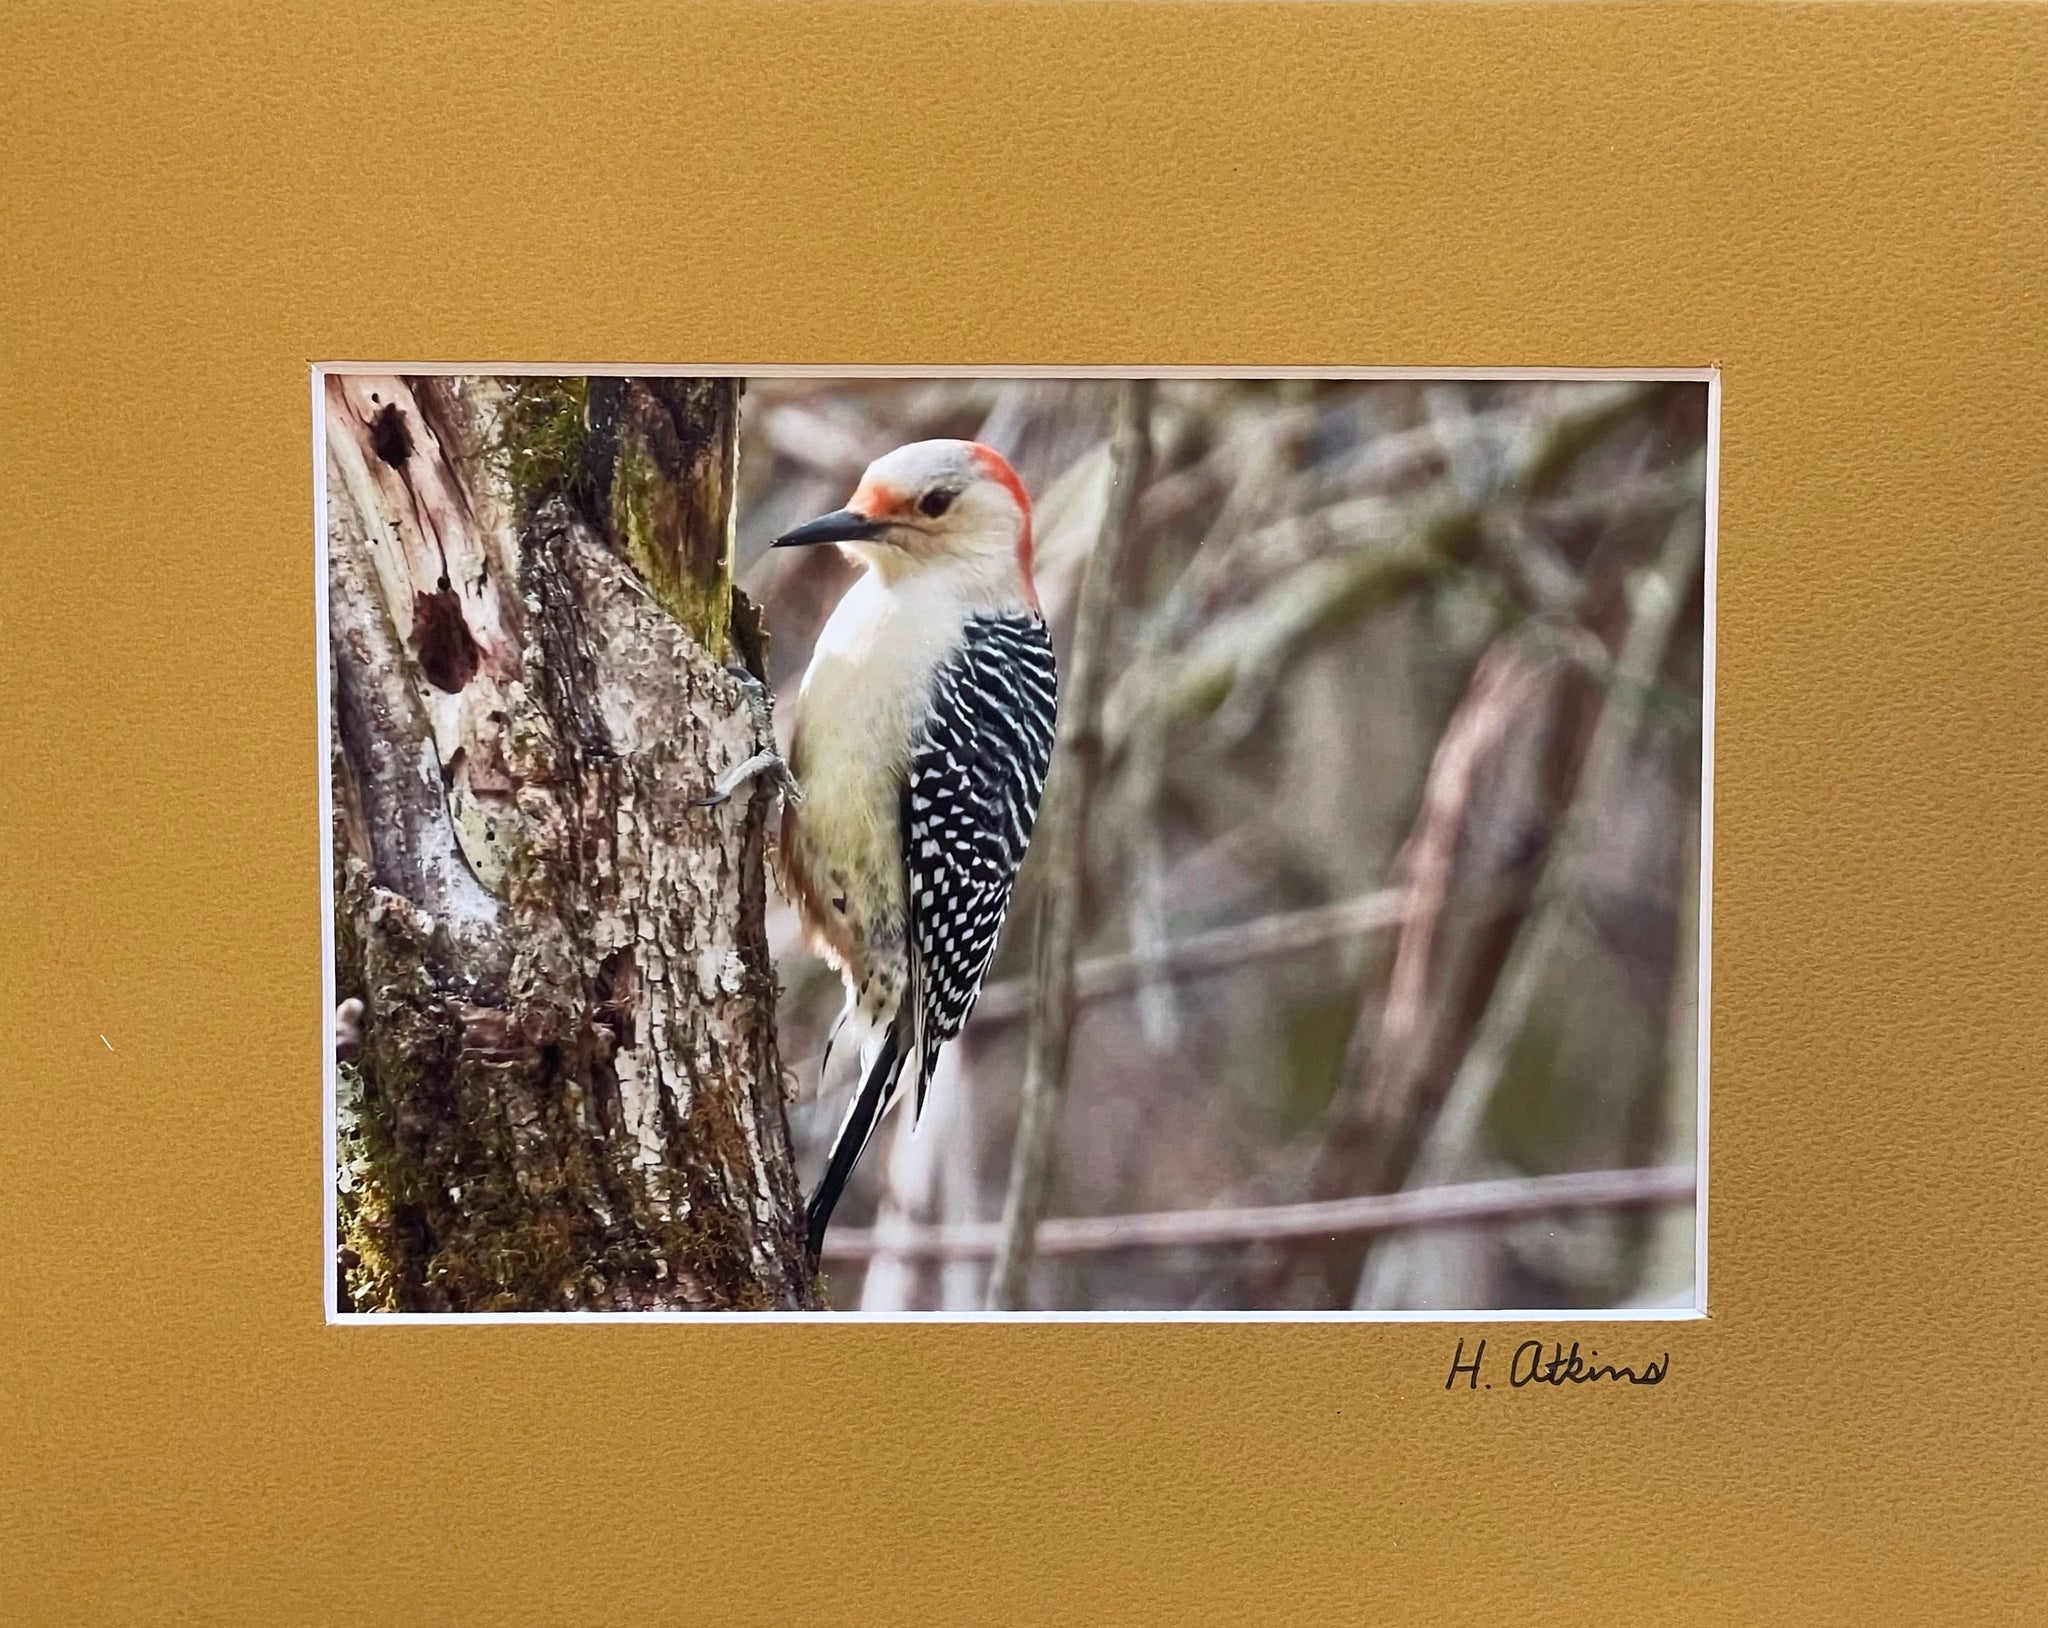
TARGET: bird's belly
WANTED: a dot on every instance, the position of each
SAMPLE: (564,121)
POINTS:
(860,708)
(848,858)
(847,827)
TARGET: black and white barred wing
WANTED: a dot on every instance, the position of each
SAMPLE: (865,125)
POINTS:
(968,807)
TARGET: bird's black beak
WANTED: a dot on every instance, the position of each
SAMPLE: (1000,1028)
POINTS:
(840,526)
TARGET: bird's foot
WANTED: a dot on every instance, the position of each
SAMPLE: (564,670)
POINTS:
(766,764)
(766,760)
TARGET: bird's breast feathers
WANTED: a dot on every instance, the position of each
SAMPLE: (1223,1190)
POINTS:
(858,710)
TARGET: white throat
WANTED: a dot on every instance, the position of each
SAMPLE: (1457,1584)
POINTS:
(985,571)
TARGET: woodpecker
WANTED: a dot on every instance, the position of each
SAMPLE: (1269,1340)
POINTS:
(923,732)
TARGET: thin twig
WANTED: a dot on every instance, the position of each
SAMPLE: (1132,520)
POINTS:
(1466,1204)
(1221,949)
(1218,950)
(1065,833)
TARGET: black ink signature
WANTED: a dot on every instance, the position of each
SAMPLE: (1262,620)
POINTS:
(1529,1366)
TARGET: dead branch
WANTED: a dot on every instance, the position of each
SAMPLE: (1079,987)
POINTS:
(927,1181)
(1065,832)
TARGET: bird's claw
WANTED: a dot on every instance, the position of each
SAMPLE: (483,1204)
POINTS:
(763,763)
(766,761)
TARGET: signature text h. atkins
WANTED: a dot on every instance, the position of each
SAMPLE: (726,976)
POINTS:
(1532,1364)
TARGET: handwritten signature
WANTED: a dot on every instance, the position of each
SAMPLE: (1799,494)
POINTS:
(1529,1366)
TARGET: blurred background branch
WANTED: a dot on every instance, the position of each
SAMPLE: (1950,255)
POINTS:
(1215,951)
(1063,839)
(1461,1205)
(1655,595)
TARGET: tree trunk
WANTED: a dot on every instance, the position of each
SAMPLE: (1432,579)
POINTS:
(565,1094)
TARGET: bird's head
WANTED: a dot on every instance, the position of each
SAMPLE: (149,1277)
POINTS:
(933,504)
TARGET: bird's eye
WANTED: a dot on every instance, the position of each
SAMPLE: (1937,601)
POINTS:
(936,502)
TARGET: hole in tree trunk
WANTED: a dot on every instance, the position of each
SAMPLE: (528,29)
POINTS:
(389,438)
(446,648)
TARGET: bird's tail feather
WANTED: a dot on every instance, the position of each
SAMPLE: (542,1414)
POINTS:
(922,1043)
(862,1116)
(832,1038)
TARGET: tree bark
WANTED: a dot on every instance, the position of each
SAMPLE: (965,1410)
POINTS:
(566,1094)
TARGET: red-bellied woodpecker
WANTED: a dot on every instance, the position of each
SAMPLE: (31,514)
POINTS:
(923,732)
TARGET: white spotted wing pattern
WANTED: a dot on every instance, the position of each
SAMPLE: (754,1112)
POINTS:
(969,802)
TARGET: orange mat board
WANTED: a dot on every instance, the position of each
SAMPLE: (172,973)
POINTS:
(1838,207)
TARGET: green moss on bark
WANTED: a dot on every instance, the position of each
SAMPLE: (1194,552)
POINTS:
(539,438)
(648,515)
(478,1167)
(651,463)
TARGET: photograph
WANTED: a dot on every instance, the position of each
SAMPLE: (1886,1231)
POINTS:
(1058,846)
